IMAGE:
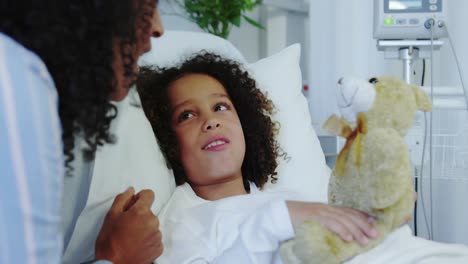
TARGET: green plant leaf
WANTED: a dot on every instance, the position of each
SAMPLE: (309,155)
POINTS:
(218,16)
(236,21)
(253,22)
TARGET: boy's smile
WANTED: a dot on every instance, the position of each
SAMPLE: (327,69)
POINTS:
(216,144)
(209,133)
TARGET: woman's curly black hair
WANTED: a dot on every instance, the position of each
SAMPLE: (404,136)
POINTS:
(75,40)
(253,108)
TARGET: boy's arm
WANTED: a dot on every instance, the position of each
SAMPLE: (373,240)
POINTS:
(350,224)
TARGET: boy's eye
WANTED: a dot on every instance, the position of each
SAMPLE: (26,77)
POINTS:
(220,107)
(185,116)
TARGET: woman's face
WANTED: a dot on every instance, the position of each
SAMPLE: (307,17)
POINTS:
(144,35)
(208,130)
(143,45)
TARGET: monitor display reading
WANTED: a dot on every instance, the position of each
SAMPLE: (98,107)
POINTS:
(405,4)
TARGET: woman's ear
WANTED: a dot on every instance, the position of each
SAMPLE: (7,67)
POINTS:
(422,99)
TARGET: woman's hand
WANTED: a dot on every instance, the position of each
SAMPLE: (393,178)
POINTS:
(348,223)
(130,232)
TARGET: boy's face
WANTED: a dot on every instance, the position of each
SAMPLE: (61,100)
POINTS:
(208,130)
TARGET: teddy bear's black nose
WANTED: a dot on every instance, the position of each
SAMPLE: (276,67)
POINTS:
(373,80)
(340,81)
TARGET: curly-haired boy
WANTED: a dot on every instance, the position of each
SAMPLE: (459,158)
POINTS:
(214,127)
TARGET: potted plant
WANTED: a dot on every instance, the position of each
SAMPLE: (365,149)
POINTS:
(218,16)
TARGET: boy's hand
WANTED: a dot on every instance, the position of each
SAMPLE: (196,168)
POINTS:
(130,232)
(348,223)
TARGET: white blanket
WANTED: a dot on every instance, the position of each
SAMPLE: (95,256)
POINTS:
(401,247)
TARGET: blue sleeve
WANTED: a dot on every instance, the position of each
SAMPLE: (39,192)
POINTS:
(31,159)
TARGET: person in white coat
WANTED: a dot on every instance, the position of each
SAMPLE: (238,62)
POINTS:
(213,125)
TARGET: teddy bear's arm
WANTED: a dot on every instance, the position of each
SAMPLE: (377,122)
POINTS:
(422,100)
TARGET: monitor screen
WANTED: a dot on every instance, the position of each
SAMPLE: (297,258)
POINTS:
(405,4)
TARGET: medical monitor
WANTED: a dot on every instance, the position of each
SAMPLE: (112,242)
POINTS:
(407,19)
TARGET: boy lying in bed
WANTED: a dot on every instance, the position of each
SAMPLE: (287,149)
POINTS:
(213,125)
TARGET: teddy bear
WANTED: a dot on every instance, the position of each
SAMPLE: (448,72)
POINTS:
(372,172)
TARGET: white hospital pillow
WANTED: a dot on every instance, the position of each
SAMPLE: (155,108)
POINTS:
(135,160)
(305,170)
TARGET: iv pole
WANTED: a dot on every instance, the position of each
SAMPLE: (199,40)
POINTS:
(408,56)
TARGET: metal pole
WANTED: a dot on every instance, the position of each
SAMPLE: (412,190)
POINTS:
(408,55)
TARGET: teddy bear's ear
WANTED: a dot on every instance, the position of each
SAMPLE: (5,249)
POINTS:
(422,99)
(338,126)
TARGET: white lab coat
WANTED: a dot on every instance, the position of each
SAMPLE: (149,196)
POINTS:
(240,229)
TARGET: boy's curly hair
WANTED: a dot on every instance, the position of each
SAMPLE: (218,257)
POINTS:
(252,106)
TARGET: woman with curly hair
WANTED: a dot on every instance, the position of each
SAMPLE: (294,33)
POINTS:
(61,62)
(213,125)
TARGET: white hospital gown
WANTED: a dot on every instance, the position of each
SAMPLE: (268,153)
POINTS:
(241,229)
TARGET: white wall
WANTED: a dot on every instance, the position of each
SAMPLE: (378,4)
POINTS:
(445,65)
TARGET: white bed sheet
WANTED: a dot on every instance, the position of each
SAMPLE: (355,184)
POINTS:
(401,247)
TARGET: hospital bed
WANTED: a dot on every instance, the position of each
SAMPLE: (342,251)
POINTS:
(136,160)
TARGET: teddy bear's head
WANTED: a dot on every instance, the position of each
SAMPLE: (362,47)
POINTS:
(385,101)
